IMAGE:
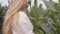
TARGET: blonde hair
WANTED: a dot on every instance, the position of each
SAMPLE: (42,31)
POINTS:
(12,15)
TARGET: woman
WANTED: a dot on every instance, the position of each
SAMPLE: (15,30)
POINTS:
(15,20)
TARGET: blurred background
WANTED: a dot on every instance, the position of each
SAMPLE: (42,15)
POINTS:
(44,14)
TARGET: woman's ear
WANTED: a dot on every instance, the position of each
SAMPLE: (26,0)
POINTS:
(26,5)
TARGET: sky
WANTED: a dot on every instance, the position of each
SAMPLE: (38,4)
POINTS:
(5,2)
(41,2)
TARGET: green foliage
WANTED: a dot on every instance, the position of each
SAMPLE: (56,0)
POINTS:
(3,10)
(46,21)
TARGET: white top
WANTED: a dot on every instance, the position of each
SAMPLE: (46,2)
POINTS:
(24,25)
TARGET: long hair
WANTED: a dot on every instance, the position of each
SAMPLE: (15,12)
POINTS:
(12,15)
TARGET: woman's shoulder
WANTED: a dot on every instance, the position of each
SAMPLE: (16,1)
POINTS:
(22,12)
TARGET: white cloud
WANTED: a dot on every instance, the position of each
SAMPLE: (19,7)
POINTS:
(55,1)
(43,5)
(41,2)
(4,2)
(32,3)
